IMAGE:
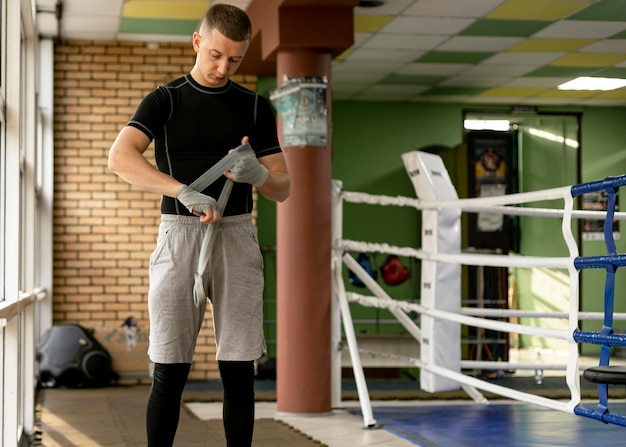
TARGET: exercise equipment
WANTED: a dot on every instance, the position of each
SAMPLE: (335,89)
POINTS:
(69,355)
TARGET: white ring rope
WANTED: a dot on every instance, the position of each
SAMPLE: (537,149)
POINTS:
(475,364)
(407,306)
(383,200)
(458,258)
(517,313)
(494,325)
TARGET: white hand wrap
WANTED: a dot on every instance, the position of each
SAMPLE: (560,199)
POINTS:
(194,200)
(249,170)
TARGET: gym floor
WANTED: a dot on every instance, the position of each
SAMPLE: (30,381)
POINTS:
(114,417)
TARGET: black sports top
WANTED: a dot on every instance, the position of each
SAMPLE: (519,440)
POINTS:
(194,126)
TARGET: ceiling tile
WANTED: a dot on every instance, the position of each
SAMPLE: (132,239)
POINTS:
(498,100)
(589,60)
(433,69)
(621,35)
(601,102)
(366,66)
(603,10)
(555,93)
(536,82)
(426,25)
(455,91)
(360,38)
(613,94)
(578,29)
(391,7)
(394,90)
(130,25)
(494,27)
(111,8)
(380,94)
(523,57)
(452,8)
(370,24)
(395,78)
(476,43)
(499,70)
(551,45)
(369,54)
(537,9)
(192,10)
(552,71)
(150,37)
(606,46)
(503,91)
(454,57)
(404,41)
(358,77)
(482,81)
(619,71)
(449,99)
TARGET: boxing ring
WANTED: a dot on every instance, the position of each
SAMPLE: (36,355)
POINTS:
(440,312)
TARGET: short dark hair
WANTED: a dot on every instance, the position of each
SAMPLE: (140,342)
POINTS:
(231,21)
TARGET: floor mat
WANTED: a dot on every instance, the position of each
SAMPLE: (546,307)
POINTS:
(115,417)
(501,424)
(267,433)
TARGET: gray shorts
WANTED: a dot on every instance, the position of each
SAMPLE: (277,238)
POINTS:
(233,280)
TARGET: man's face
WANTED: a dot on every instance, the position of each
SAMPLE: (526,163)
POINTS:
(217,57)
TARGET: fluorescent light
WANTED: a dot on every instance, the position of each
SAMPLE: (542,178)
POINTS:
(553,137)
(591,83)
(486,124)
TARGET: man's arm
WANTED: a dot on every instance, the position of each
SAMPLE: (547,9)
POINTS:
(126,159)
(278,184)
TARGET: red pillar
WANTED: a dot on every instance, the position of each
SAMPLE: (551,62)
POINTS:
(303,250)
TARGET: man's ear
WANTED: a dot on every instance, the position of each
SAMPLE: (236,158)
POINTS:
(195,41)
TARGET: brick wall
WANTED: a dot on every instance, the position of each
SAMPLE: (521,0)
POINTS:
(105,230)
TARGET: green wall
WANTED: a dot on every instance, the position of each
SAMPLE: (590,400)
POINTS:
(368,141)
(603,154)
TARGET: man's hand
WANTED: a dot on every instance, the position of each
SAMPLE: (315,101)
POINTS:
(199,204)
(248,170)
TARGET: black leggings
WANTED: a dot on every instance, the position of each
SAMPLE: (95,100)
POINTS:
(163,410)
(238,412)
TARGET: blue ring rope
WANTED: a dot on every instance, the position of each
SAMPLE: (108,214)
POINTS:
(610,262)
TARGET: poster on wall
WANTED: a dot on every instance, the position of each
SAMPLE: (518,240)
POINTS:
(492,172)
(593,230)
(490,180)
(301,103)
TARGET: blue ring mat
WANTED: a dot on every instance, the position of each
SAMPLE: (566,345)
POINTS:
(497,424)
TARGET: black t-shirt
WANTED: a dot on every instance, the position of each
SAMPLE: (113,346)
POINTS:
(194,126)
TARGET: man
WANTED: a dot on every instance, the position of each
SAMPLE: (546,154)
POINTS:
(195,121)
